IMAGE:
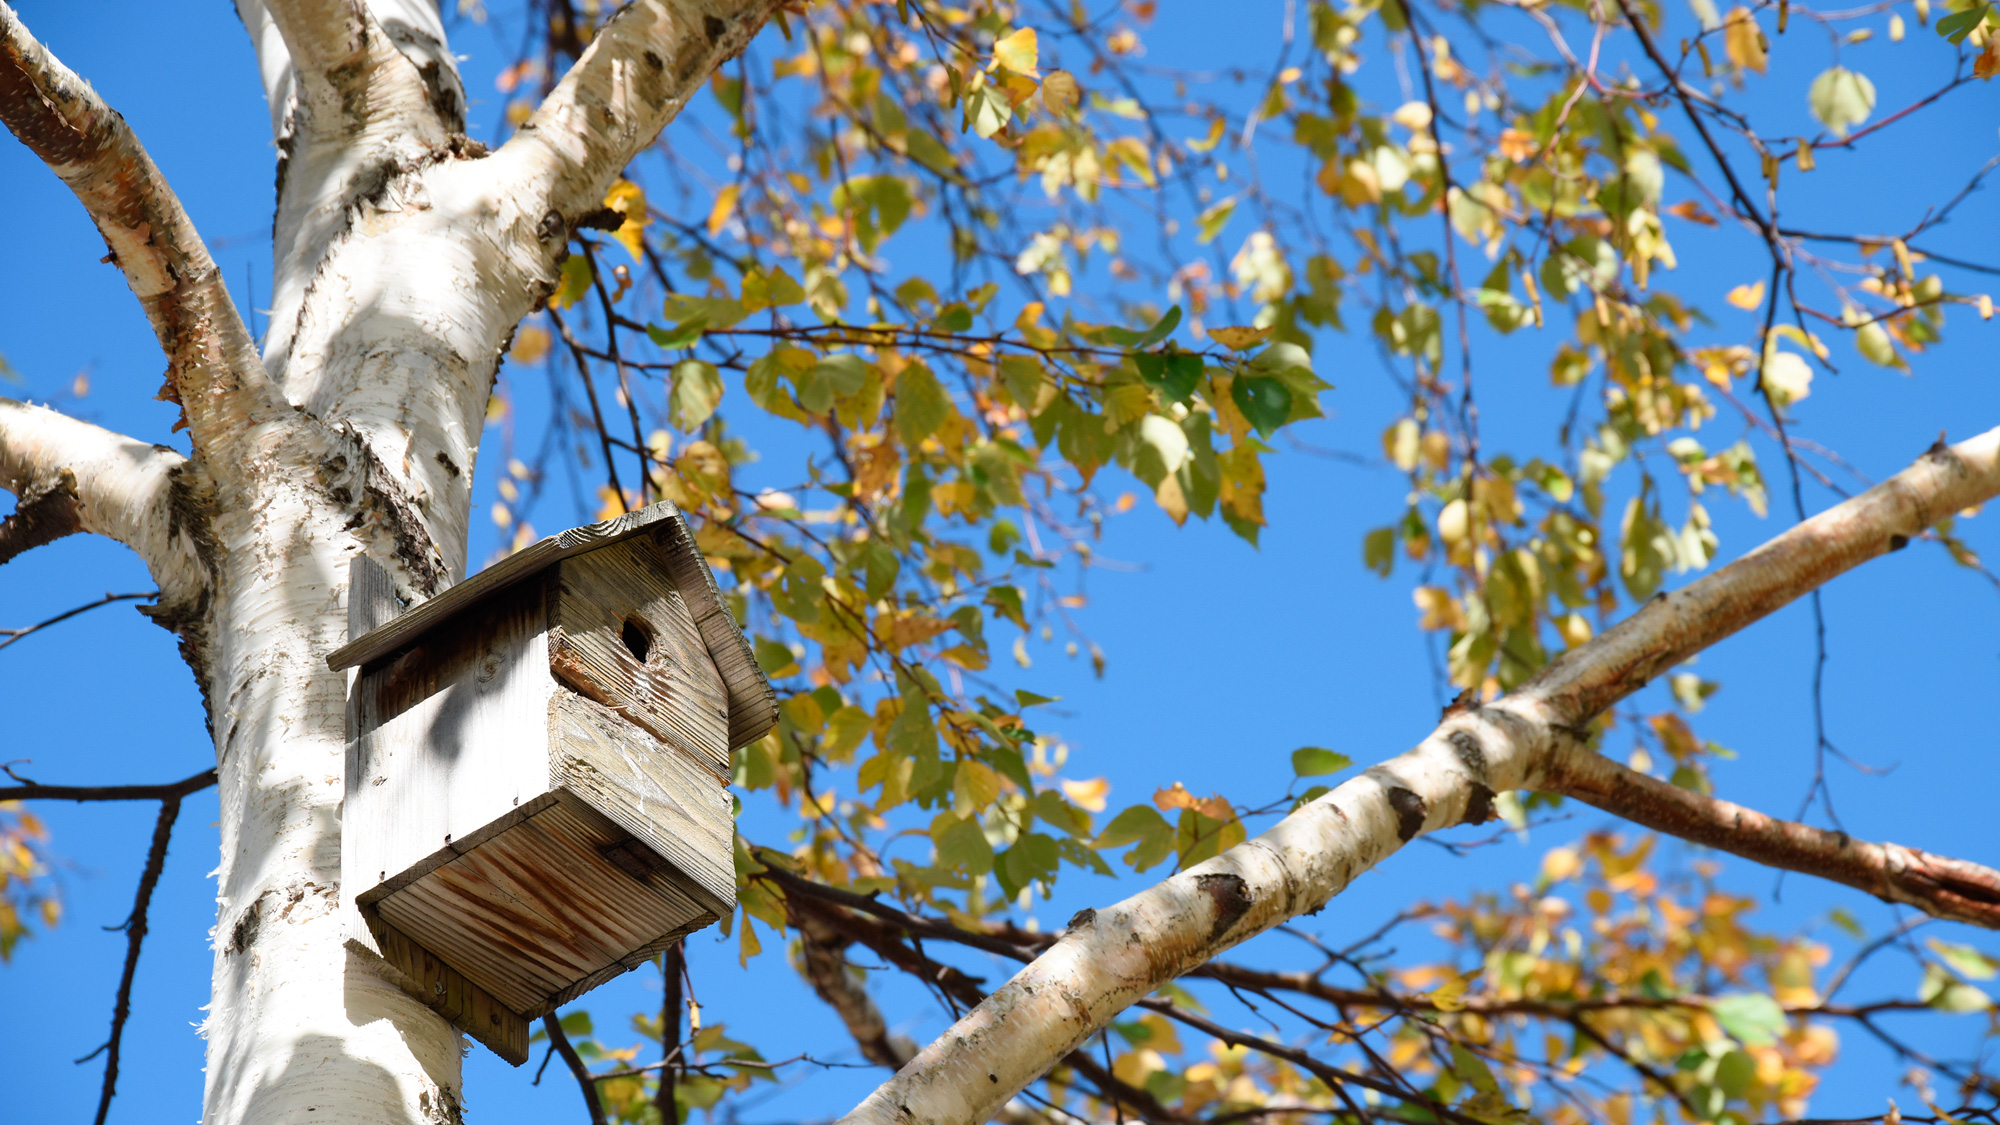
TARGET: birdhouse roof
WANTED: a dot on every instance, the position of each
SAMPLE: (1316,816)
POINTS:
(753,706)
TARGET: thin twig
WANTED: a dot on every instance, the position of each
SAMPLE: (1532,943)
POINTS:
(13,635)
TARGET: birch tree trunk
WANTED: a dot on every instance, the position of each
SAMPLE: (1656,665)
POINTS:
(405,255)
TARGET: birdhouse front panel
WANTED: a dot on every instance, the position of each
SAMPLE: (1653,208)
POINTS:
(625,638)
(537,770)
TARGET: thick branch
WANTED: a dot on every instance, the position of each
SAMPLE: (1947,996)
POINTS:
(361,62)
(636,75)
(211,361)
(147,497)
(1934,884)
(822,951)
(45,510)
(1111,958)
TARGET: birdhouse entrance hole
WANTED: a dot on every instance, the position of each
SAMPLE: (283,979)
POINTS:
(638,638)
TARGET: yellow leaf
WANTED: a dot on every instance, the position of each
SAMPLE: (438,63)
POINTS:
(1017,52)
(531,343)
(1087,794)
(629,200)
(1060,93)
(1239,338)
(725,206)
(1744,40)
(974,787)
(1747,296)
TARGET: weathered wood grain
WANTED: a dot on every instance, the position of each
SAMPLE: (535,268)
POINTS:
(543,911)
(447,741)
(447,991)
(665,798)
(619,593)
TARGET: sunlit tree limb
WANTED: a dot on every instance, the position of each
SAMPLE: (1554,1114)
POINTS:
(150,237)
(1111,958)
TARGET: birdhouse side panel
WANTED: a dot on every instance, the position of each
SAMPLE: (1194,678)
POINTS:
(658,794)
(625,637)
(450,742)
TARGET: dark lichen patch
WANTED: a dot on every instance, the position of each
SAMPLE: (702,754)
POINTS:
(1478,807)
(1410,813)
(1470,754)
(1231,896)
(1082,919)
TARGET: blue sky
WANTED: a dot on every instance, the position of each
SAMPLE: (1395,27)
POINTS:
(1222,658)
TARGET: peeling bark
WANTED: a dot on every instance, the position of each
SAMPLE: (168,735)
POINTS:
(1120,954)
(212,367)
(45,510)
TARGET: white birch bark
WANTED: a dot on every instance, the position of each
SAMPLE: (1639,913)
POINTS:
(405,256)
(1108,959)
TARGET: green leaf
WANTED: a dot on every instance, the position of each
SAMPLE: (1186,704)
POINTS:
(1958,25)
(684,335)
(1141,825)
(770,290)
(1472,1070)
(1265,401)
(1842,98)
(1378,550)
(573,282)
(1209,223)
(962,843)
(1126,338)
(1317,761)
(1947,993)
(696,391)
(1873,341)
(775,659)
(1174,374)
(987,111)
(1752,1017)
(954,317)
(921,404)
(1966,960)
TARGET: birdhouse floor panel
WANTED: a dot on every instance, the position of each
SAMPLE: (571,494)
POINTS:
(542,908)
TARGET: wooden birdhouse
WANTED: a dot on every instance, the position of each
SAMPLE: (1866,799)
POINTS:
(537,769)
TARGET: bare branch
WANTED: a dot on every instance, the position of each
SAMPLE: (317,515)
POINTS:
(824,962)
(13,635)
(633,79)
(211,361)
(135,936)
(171,791)
(147,497)
(1934,884)
(1112,958)
(584,1079)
